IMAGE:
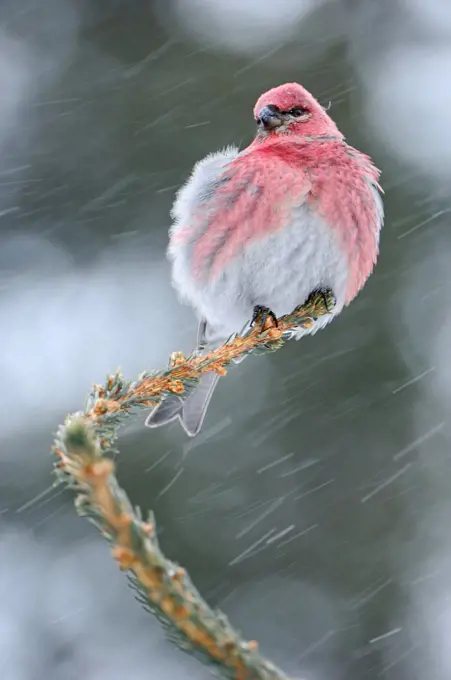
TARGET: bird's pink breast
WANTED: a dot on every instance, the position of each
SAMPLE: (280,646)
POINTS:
(343,194)
(258,192)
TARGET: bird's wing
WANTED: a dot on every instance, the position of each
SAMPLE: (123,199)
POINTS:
(200,184)
(230,201)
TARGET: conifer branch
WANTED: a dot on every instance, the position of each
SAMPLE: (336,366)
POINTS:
(83,450)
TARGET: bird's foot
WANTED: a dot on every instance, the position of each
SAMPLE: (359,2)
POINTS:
(319,303)
(264,317)
(324,299)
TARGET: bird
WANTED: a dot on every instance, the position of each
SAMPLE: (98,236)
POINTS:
(299,210)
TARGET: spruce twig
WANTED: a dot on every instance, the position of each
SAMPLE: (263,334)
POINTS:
(83,449)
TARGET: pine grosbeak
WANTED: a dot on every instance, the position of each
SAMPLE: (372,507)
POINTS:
(296,211)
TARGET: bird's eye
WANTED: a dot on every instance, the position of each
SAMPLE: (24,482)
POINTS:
(297,111)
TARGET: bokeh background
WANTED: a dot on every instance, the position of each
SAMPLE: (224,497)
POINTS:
(315,507)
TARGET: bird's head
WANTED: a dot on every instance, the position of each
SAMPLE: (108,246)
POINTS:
(291,110)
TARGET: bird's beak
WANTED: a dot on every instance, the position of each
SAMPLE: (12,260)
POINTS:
(269,117)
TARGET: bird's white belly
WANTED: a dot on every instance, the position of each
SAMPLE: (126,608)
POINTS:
(277,271)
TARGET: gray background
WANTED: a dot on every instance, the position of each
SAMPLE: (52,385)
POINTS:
(340,441)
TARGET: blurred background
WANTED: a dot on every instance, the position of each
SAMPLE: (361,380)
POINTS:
(314,508)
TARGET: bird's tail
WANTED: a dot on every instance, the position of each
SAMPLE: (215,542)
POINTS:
(190,410)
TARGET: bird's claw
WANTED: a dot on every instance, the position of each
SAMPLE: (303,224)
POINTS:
(264,317)
(328,298)
(318,303)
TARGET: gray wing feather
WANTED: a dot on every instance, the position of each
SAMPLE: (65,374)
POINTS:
(191,410)
(200,184)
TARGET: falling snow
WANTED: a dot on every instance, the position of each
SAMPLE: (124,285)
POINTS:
(314,507)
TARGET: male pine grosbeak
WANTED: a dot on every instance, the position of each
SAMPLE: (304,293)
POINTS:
(299,210)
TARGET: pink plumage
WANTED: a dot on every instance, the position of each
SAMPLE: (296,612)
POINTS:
(297,210)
